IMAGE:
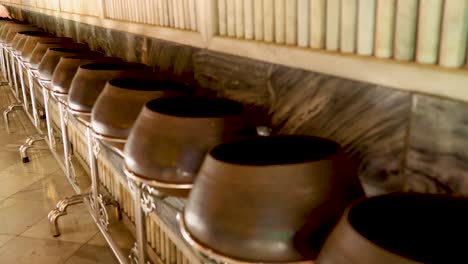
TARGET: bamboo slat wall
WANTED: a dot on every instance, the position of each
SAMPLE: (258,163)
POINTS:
(83,7)
(425,31)
(180,14)
(49,4)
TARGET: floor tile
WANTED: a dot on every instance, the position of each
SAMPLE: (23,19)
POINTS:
(51,189)
(5,238)
(119,233)
(16,181)
(18,215)
(89,254)
(77,226)
(23,250)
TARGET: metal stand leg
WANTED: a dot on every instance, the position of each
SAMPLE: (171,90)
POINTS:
(138,252)
(33,99)
(61,210)
(50,131)
(29,143)
(7,112)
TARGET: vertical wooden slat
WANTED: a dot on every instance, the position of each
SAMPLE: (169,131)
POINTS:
(166,13)
(303,22)
(170,4)
(258,13)
(179,257)
(268,20)
(160,10)
(173,252)
(222,12)
(175,14)
(231,18)
(454,33)
(333,24)
(181,14)
(249,19)
(429,24)
(366,27)
(158,238)
(193,15)
(348,28)
(167,244)
(405,29)
(291,22)
(239,7)
(384,31)
(162,244)
(318,23)
(280,21)
(187,14)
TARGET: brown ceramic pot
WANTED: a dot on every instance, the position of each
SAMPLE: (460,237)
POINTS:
(30,43)
(52,57)
(68,66)
(90,79)
(400,228)
(171,137)
(403,228)
(269,199)
(6,28)
(30,37)
(122,99)
(42,47)
(13,30)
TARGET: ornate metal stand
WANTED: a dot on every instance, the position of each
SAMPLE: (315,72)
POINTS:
(61,210)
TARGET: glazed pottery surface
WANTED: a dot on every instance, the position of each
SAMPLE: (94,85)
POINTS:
(6,28)
(52,57)
(122,99)
(42,47)
(13,30)
(30,38)
(403,228)
(171,137)
(90,79)
(270,199)
(68,66)
(30,43)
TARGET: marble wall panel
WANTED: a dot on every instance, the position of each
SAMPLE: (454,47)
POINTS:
(369,121)
(438,146)
(400,140)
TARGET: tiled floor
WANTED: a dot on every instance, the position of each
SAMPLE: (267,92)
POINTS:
(27,193)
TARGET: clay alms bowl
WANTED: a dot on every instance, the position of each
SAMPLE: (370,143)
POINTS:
(68,66)
(269,199)
(30,43)
(6,28)
(42,47)
(30,38)
(122,99)
(404,228)
(90,79)
(52,57)
(171,137)
(13,30)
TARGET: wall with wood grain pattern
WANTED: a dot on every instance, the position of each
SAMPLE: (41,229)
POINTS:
(402,138)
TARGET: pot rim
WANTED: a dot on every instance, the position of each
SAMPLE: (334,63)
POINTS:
(241,152)
(386,249)
(117,66)
(147,84)
(165,106)
(154,183)
(215,255)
